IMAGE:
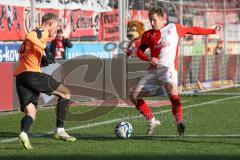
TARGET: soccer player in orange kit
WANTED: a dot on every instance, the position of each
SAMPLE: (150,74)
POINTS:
(30,81)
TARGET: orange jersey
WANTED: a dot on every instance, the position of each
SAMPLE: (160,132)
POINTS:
(31,51)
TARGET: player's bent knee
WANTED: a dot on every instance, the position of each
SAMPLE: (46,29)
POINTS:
(33,115)
(133,98)
(31,111)
(66,94)
(63,92)
(171,89)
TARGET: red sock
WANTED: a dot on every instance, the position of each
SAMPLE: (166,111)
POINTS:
(176,108)
(144,109)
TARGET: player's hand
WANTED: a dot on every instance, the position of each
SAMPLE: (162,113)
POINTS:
(44,61)
(47,58)
(218,27)
(154,61)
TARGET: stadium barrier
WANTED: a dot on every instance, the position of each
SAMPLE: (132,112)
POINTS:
(104,78)
(102,82)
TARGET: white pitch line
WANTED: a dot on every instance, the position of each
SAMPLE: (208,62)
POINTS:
(8,140)
(134,117)
(196,135)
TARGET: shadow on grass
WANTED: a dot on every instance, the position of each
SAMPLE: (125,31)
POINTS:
(193,140)
(172,139)
(122,157)
(187,139)
(8,134)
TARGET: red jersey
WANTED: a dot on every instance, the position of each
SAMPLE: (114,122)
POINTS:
(163,43)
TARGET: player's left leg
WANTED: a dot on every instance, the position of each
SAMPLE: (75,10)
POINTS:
(48,85)
(61,109)
(172,91)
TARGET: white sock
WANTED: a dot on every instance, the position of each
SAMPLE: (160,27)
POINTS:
(59,130)
(23,134)
(152,120)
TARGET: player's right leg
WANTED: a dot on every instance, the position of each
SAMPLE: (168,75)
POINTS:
(172,91)
(28,99)
(27,120)
(140,103)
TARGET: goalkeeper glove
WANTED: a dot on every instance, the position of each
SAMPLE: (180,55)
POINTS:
(47,58)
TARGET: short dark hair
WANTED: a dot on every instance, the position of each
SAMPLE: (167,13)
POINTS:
(49,16)
(158,10)
(60,31)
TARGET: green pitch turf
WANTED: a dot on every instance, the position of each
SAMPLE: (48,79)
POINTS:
(213,132)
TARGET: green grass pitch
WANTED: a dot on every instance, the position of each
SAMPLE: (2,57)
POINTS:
(213,132)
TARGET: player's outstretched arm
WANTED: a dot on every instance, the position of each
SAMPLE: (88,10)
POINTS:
(182,30)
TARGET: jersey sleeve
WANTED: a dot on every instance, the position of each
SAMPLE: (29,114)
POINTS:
(140,52)
(145,39)
(35,37)
(142,47)
(182,30)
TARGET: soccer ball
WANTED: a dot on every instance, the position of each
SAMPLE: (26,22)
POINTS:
(123,130)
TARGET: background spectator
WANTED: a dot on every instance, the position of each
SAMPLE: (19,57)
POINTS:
(59,44)
(136,4)
(148,4)
(219,48)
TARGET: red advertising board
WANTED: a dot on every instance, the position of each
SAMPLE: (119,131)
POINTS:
(15,21)
(6,86)
(109,27)
(11,23)
(84,23)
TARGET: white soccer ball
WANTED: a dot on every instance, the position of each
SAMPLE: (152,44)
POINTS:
(123,130)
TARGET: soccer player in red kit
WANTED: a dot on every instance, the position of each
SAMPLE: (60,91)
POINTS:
(163,40)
